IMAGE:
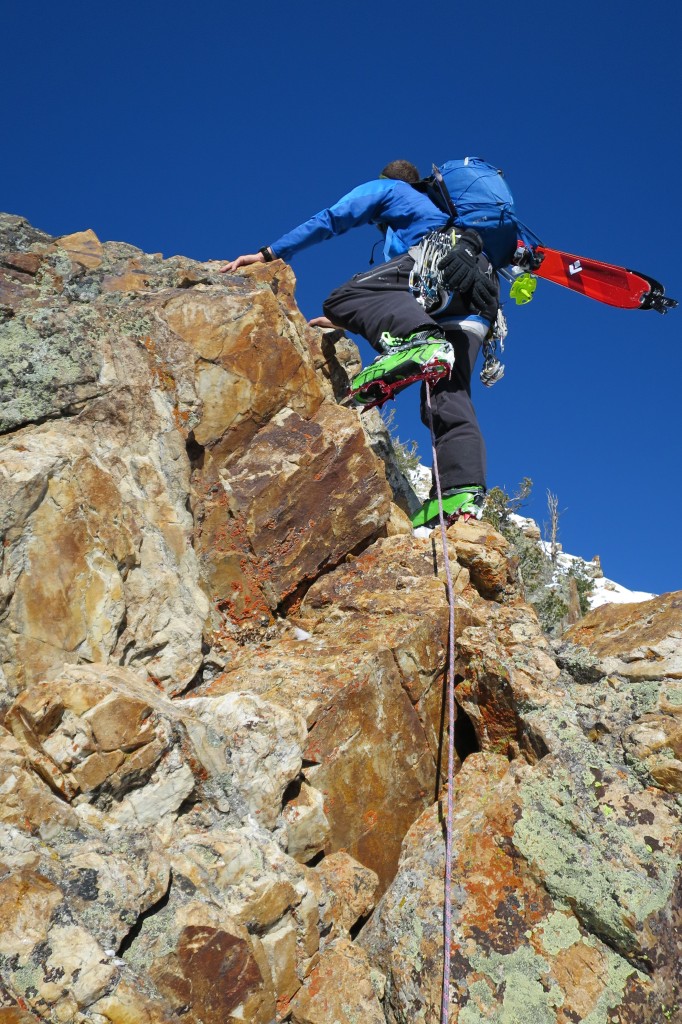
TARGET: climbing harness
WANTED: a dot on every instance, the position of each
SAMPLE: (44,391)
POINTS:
(426,284)
(447,899)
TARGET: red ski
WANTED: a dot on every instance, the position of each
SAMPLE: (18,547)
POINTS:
(616,286)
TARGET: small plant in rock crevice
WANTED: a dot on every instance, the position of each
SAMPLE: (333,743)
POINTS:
(406,454)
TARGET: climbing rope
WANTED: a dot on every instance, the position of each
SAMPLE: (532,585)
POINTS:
(447,899)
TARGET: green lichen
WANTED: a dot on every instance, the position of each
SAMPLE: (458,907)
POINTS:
(672,693)
(522,973)
(559,931)
(156,938)
(622,704)
(130,323)
(23,978)
(583,858)
(41,372)
(482,993)
(524,979)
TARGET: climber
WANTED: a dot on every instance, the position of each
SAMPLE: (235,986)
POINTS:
(381,305)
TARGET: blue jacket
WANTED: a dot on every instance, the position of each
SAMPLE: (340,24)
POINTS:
(405,214)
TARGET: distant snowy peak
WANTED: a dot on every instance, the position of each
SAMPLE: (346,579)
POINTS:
(605,591)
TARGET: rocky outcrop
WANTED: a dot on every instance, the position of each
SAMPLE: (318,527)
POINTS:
(635,657)
(222,658)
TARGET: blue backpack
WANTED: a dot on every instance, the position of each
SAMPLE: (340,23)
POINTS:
(476,195)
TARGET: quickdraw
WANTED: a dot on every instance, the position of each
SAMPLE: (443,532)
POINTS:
(426,280)
(426,283)
(493,369)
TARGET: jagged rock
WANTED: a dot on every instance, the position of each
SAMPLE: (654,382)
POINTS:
(204,946)
(597,842)
(351,890)
(373,779)
(39,349)
(26,800)
(377,631)
(535,891)
(307,825)
(303,496)
(339,991)
(239,753)
(507,672)
(52,964)
(257,916)
(184,510)
(100,883)
(485,553)
(636,651)
(229,332)
(185,355)
(262,746)
(83,585)
(638,641)
(107,737)
(280,461)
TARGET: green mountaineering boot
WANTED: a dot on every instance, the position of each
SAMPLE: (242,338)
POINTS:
(424,355)
(458,503)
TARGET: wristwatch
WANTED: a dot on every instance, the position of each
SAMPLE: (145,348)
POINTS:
(267,255)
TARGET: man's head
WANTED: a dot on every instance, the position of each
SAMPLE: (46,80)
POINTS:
(401,170)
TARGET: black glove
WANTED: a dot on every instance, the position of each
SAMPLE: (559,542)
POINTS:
(459,267)
(485,294)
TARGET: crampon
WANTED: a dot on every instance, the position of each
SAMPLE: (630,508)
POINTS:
(377,392)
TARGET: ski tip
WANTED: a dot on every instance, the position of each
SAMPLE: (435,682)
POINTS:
(655,297)
(661,303)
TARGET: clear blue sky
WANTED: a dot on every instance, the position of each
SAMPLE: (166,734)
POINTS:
(209,130)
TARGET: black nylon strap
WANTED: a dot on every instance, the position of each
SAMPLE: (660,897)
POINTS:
(447,198)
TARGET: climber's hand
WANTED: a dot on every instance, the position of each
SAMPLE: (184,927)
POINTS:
(459,267)
(242,261)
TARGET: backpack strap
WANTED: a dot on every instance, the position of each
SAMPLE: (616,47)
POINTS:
(443,189)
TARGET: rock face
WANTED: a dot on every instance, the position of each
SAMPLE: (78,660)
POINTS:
(639,657)
(222,659)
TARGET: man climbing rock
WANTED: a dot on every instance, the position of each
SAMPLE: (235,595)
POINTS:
(383,306)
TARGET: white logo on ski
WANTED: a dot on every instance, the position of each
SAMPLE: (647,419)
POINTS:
(575,268)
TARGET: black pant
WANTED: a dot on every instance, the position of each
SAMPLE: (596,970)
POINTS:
(380,300)
(460,447)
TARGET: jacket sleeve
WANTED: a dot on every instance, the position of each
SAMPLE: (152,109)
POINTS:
(361,206)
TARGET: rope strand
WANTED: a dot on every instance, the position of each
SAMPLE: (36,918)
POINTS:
(447,911)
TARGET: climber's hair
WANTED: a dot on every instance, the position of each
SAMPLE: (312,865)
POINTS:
(401,170)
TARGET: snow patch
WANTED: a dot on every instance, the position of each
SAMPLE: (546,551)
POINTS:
(607,592)
(420,481)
